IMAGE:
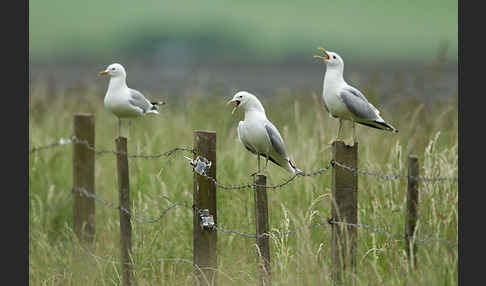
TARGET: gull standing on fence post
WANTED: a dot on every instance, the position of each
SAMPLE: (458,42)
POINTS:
(123,101)
(346,102)
(258,135)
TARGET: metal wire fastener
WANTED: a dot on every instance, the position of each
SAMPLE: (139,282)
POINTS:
(207,220)
(200,164)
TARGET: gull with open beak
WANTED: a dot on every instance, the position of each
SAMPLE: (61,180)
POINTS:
(258,135)
(345,102)
(123,101)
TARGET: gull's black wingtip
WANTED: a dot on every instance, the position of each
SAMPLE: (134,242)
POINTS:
(380,125)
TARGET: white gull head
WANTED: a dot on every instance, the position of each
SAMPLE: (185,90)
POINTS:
(247,101)
(332,60)
(114,70)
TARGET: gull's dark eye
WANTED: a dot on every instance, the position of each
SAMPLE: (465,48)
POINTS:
(240,96)
(334,57)
(112,69)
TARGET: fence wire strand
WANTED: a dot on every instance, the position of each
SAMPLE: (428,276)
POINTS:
(332,163)
(145,156)
(278,186)
(274,232)
(390,177)
(393,236)
(75,140)
(138,217)
(60,142)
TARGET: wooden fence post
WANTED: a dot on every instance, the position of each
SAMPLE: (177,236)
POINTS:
(412,207)
(205,254)
(124,197)
(344,209)
(83,177)
(261,221)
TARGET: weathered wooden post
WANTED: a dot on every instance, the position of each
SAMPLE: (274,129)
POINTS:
(83,177)
(344,209)
(412,208)
(261,221)
(124,197)
(205,253)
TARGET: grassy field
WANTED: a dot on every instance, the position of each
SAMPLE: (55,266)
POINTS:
(249,30)
(427,130)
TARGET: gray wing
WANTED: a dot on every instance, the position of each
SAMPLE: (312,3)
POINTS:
(137,99)
(358,104)
(243,141)
(276,139)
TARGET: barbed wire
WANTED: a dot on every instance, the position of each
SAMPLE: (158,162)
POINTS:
(74,139)
(329,222)
(390,177)
(391,235)
(145,156)
(272,232)
(232,231)
(326,223)
(278,186)
(332,163)
(173,205)
(252,235)
(60,142)
(138,217)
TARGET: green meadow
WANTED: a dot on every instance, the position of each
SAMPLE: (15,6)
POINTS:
(249,31)
(162,251)
(66,37)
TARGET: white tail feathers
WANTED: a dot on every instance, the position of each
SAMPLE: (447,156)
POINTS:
(152,112)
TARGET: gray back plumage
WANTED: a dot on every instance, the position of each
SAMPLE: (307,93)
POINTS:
(358,104)
(276,140)
(137,99)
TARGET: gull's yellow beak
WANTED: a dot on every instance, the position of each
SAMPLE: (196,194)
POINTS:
(237,102)
(325,53)
(103,72)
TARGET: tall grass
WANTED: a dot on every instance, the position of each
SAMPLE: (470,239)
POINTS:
(162,251)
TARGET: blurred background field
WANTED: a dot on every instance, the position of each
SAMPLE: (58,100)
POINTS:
(195,55)
(167,46)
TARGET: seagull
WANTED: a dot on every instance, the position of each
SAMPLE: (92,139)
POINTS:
(258,135)
(346,102)
(125,102)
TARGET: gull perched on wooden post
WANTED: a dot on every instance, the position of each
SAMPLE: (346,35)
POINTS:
(344,101)
(123,101)
(258,135)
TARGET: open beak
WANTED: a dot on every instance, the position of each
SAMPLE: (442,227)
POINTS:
(237,103)
(321,57)
(103,72)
